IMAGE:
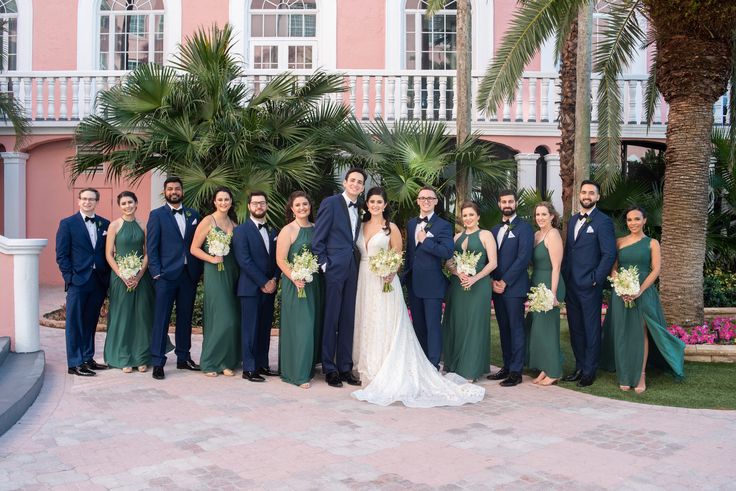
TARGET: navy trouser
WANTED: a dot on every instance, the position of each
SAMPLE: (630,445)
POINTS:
(339,322)
(182,291)
(256,317)
(510,316)
(83,304)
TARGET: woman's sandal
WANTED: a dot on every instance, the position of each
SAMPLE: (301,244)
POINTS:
(127,370)
(548,381)
(142,368)
(228,373)
(210,374)
(642,387)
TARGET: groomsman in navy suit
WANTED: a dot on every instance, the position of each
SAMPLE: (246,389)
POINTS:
(515,242)
(334,243)
(428,246)
(175,272)
(590,251)
(254,245)
(80,254)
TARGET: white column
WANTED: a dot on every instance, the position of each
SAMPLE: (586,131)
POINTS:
(554,183)
(15,193)
(25,254)
(526,170)
(157,188)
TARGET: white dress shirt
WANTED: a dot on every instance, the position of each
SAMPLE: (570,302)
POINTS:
(581,222)
(91,229)
(353,212)
(421,226)
(263,232)
(180,220)
(502,231)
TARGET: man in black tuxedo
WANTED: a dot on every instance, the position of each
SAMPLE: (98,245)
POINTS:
(80,254)
(334,243)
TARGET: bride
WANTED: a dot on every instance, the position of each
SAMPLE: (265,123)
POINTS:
(386,351)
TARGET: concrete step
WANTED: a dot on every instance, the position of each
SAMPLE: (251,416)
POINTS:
(4,348)
(21,378)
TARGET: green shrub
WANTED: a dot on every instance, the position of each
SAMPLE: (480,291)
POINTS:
(719,288)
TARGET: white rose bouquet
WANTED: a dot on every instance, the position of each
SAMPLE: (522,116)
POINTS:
(129,266)
(541,298)
(466,263)
(626,283)
(218,244)
(303,267)
(385,263)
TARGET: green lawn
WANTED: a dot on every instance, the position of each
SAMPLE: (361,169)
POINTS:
(706,385)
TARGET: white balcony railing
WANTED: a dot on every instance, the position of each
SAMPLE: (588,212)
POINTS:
(53,99)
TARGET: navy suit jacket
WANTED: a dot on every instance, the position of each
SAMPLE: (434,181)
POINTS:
(257,266)
(423,268)
(514,257)
(75,254)
(334,241)
(167,249)
(588,259)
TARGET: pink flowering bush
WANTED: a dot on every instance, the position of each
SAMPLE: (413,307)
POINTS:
(720,330)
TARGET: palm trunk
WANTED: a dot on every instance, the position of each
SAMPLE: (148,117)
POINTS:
(463,185)
(568,84)
(582,98)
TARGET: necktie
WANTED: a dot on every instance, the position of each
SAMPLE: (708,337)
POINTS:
(180,211)
(89,219)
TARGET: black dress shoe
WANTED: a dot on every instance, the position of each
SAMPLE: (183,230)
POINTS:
(81,371)
(93,365)
(253,376)
(586,381)
(513,379)
(349,378)
(187,365)
(499,375)
(158,373)
(573,377)
(268,372)
(333,379)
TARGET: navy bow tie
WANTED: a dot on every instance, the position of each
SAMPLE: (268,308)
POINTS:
(179,211)
(425,220)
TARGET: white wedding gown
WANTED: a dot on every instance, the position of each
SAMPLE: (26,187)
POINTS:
(386,351)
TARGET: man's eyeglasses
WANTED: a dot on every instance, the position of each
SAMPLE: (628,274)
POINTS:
(426,199)
(258,203)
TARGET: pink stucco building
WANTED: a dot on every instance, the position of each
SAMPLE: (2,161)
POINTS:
(397,64)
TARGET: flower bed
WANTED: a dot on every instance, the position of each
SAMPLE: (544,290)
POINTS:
(712,342)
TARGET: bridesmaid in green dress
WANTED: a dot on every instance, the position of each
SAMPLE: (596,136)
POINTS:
(130,317)
(221,316)
(466,324)
(633,336)
(300,331)
(543,328)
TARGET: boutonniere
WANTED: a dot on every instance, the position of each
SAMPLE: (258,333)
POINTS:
(98,223)
(587,219)
(188,213)
(511,227)
(428,226)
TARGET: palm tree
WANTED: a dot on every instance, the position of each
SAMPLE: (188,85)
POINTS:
(204,125)
(693,62)
(10,108)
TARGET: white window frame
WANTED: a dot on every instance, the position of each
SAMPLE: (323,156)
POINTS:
(88,32)
(283,43)
(112,15)
(24,35)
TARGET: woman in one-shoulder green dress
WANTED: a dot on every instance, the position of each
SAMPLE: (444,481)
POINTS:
(543,328)
(466,324)
(221,315)
(633,336)
(300,330)
(130,315)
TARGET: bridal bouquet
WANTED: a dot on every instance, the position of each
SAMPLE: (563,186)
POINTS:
(626,283)
(385,263)
(218,244)
(541,298)
(466,263)
(129,266)
(303,268)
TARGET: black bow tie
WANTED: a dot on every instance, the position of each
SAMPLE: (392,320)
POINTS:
(507,222)
(352,205)
(261,225)
(584,216)
(425,219)
(89,219)
(179,211)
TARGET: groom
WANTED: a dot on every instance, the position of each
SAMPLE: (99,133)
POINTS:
(334,244)
(590,251)
(428,246)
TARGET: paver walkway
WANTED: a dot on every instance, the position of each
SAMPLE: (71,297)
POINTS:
(128,431)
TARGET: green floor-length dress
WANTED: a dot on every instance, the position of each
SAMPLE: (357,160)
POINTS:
(300,330)
(623,335)
(221,317)
(130,317)
(543,328)
(466,326)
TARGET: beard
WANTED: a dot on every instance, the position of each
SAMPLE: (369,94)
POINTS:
(258,214)
(174,200)
(588,206)
(507,213)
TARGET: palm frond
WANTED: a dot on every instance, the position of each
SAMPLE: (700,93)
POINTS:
(651,94)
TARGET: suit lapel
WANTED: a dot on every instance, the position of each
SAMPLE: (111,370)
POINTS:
(83,225)
(167,211)
(254,227)
(344,207)
(505,237)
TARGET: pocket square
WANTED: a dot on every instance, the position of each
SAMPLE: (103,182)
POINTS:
(589,230)
(194,222)
(104,233)
(511,235)
(430,234)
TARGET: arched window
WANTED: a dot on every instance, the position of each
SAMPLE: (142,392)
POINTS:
(131,32)
(9,35)
(283,34)
(431,42)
